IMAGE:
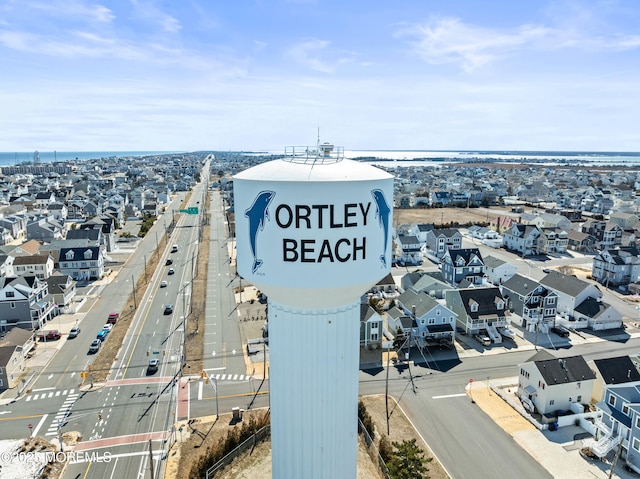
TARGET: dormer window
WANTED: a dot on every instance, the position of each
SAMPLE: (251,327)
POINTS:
(473,306)
(69,255)
(88,254)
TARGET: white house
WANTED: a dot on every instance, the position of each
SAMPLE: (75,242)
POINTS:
(571,291)
(497,270)
(547,384)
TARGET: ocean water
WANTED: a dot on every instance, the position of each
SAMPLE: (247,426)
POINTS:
(15,158)
(396,158)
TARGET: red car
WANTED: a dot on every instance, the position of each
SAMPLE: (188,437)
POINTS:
(113,318)
(49,335)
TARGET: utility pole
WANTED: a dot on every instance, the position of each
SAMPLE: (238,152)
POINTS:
(146,280)
(615,459)
(150,459)
(386,393)
(133,285)
(184,327)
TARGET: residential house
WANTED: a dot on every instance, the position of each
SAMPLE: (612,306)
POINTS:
(442,239)
(615,267)
(15,224)
(533,304)
(627,221)
(607,234)
(463,264)
(62,289)
(522,239)
(618,424)
(597,315)
(551,220)
(58,211)
(611,371)
(571,291)
(371,327)
(6,265)
(82,264)
(401,324)
(579,241)
(430,282)
(24,303)
(44,199)
(14,349)
(45,229)
(502,224)
(440,198)
(5,236)
(419,230)
(497,270)
(40,265)
(386,288)
(548,385)
(479,309)
(410,250)
(552,240)
(435,322)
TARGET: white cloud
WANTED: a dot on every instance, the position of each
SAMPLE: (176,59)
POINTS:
(88,11)
(148,11)
(449,40)
(307,53)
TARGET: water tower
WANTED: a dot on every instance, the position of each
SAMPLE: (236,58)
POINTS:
(313,232)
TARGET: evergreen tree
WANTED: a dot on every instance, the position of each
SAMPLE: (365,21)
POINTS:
(407,461)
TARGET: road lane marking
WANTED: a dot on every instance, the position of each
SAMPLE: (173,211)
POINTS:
(37,428)
(42,389)
(200,386)
(449,396)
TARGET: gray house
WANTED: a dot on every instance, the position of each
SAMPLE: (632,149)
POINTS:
(443,239)
(479,309)
(24,303)
(463,264)
(533,304)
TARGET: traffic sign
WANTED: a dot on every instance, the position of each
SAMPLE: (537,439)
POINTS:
(192,210)
(30,426)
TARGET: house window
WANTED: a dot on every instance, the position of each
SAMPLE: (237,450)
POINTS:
(636,444)
(579,399)
(438,312)
(551,402)
(638,422)
(11,294)
(625,409)
(612,400)
(374,336)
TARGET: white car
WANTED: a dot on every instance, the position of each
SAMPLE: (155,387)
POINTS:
(163,284)
(107,327)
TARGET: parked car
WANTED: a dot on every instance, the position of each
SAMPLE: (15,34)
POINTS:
(73,332)
(483,339)
(163,284)
(560,331)
(168,308)
(153,366)
(107,327)
(546,270)
(174,248)
(95,346)
(102,335)
(49,335)
(171,271)
(113,318)
(168,262)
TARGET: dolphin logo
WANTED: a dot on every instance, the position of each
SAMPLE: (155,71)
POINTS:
(257,214)
(383,212)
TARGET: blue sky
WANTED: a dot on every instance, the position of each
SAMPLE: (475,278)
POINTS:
(190,75)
